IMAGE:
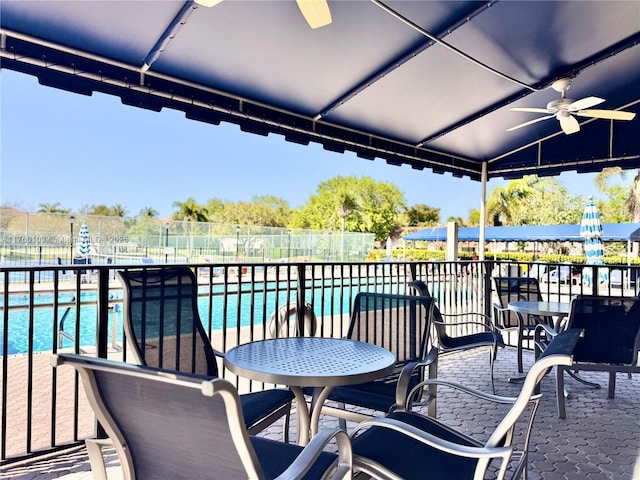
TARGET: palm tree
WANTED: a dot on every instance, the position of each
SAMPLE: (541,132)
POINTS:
(503,200)
(148,212)
(118,210)
(632,206)
(632,203)
(190,211)
(52,208)
(345,204)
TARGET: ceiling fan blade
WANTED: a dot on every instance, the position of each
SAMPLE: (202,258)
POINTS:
(208,3)
(569,124)
(315,12)
(608,114)
(583,103)
(528,109)
(530,122)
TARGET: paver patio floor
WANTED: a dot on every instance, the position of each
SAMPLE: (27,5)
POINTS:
(599,439)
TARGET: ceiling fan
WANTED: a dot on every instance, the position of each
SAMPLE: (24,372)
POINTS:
(565,109)
(315,12)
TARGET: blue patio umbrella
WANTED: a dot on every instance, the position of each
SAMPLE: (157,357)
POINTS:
(84,241)
(591,230)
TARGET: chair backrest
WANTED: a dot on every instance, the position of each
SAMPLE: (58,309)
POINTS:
(165,424)
(161,320)
(399,323)
(437,321)
(419,287)
(513,289)
(611,328)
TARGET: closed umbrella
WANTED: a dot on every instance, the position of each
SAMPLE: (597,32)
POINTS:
(84,241)
(591,231)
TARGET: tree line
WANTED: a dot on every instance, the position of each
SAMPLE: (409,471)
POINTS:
(361,204)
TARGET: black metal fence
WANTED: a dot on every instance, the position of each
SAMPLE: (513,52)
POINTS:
(77,308)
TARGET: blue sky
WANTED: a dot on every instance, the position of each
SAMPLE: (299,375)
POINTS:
(78,151)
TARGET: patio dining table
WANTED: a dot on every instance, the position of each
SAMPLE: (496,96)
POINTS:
(559,310)
(321,363)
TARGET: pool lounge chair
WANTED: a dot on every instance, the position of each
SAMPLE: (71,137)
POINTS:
(166,424)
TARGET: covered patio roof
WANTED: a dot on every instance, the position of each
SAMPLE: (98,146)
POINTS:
(426,84)
(612,232)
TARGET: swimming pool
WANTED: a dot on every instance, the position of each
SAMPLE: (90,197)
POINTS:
(257,303)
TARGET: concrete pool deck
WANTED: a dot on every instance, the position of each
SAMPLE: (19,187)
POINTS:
(599,439)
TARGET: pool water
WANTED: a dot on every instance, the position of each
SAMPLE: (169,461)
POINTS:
(44,331)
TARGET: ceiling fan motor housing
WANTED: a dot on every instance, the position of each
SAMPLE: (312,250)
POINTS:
(559,104)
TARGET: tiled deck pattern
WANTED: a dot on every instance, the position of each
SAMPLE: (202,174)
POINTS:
(599,439)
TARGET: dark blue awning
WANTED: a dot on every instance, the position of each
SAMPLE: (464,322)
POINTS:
(408,100)
(613,232)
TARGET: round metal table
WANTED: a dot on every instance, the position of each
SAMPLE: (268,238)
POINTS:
(322,363)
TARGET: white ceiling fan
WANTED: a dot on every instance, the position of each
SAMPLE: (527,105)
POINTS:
(565,110)
(315,12)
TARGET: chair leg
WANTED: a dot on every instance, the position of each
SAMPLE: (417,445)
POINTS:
(612,385)
(342,422)
(520,339)
(492,357)
(96,460)
(285,426)
(560,391)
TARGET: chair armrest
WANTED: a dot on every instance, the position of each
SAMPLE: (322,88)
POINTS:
(544,329)
(464,388)
(404,379)
(498,313)
(487,322)
(542,336)
(499,308)
(311,452)
(217,353)
(431,440)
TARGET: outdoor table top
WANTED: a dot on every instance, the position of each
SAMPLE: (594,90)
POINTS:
(310,361)
(560,309)
(321,363)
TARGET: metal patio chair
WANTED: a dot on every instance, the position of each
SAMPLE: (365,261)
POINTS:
(398,323)
(411,446)
(168,424)
(610,341)
(484,332)
(511,289)
(164,329)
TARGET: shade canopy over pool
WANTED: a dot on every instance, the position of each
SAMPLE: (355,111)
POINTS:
(425,84)
(613,232)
